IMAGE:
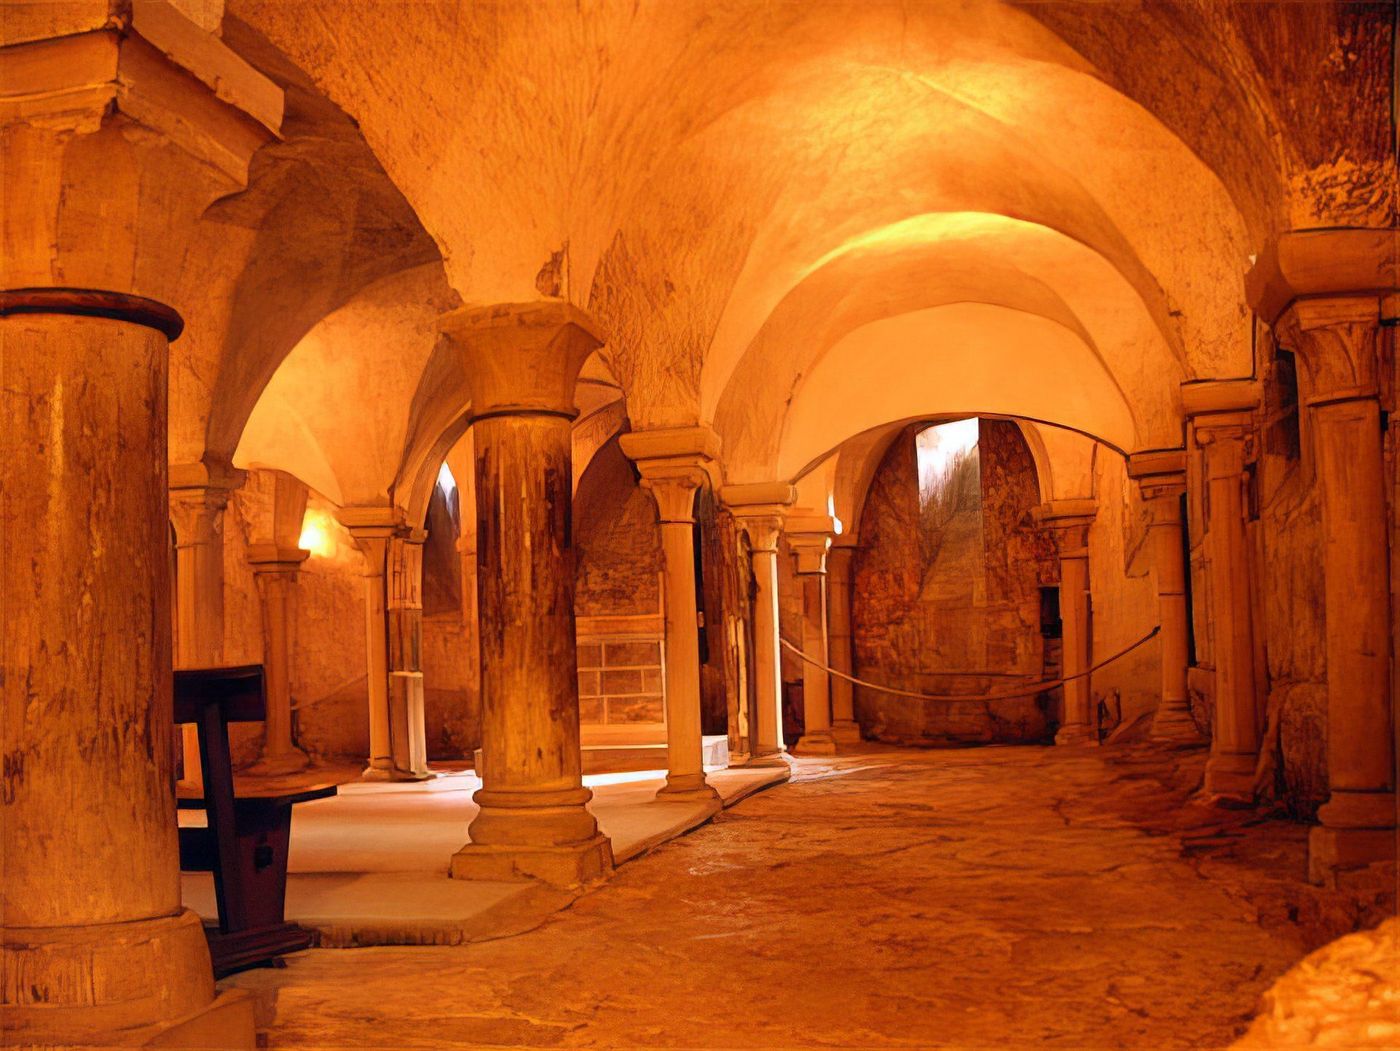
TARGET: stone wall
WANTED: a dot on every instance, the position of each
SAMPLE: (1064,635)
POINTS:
(931,613)
(617,545)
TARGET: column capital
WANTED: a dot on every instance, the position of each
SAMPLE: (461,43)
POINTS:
(1159,473)
(271,558)
(206,475)
(759,508)
(1070,519)
(522,359)
(1337,342)
(372,529)
(1301,264)
(674,462)
(73,101)
(809,540)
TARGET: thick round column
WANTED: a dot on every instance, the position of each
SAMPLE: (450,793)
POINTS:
(838,627)
(809,551)
(1235,741)
(522,362)
(275,575)
(1337,340)
(674,490)
(95,946)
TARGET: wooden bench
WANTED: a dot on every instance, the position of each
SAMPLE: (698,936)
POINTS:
(245,843)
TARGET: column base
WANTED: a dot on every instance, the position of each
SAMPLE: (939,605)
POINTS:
(1230,778)
(772,760)
(846,731)
(1175,726)
(391,774)
(686,788)
(1076,734)
(560,866)
(147,983)
(819,743)
(292,762)
(1335,850)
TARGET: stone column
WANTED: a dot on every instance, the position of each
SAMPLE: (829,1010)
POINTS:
(115,143)
(675,464)
(373,529)
(809,539)
(838,627)
(1070,520)
(95,943)
(1161,477)
(198,497)
(275,572)
(1223,425)
(1336,340)
(408,746)
(522,362)
(759,509)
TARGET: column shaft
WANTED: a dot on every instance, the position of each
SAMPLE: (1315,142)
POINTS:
(408,745)
(1235,742)
(838,582)
(816,683)
(95,944)
(685,775)
(1080,724)
(768,674)
(275,578)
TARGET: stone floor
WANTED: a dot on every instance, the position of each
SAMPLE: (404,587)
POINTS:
(369,866)
(996,897)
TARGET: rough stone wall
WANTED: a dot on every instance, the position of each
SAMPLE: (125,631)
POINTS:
(975,607)
(617,545)
(724,601)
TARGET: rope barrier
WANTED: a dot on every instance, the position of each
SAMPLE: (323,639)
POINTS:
(1026,692)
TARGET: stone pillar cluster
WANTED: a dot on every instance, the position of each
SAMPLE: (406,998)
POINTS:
(844,729)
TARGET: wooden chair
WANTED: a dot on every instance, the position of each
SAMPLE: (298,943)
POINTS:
(245,844)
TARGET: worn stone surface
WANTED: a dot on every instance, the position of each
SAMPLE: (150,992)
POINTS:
(1007,897)
(1347,994)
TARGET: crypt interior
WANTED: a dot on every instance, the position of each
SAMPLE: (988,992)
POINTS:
(698,524)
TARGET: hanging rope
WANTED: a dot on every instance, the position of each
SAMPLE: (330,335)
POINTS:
(1025,692)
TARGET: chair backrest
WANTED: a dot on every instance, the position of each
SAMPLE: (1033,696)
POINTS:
(238,692)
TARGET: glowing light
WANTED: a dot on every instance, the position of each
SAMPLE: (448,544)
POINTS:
(936,447)
(445,481)
(317,534)
(831,510)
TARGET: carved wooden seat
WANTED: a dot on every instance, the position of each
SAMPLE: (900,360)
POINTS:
(245,843)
